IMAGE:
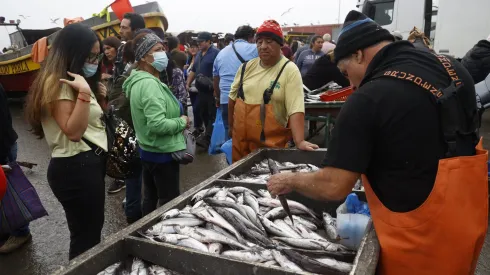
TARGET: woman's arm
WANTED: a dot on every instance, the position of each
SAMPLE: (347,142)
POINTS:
(72,116)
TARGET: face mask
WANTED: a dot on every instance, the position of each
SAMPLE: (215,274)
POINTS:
(161,61)
(89,69)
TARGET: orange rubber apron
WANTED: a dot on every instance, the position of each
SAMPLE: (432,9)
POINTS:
(446,233)
(255,125)
(247,128)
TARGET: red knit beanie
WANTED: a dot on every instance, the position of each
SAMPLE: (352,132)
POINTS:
(271,29)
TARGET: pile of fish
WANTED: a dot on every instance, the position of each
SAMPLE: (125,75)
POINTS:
(260,172)
(242,224)
(135,266)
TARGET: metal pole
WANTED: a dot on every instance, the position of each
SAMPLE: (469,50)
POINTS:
(339,12)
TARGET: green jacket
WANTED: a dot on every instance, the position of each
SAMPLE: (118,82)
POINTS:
(155,112)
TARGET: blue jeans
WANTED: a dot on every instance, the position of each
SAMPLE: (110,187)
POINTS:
(224,112)
(132,209)
(23,231)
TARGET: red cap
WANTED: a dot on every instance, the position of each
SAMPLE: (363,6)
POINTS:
(272,29)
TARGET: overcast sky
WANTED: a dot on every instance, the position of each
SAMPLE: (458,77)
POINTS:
(210,15)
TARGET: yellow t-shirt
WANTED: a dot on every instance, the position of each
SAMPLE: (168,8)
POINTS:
(287,98)
(60,144)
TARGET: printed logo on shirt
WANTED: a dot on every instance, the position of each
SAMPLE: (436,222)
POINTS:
(278,85)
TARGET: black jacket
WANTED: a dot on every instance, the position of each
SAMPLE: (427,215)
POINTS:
(8,136)
(477,61)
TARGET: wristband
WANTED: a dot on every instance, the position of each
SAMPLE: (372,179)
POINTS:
(84,100)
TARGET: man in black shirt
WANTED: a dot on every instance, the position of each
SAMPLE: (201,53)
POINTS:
(322,72)
(390,131)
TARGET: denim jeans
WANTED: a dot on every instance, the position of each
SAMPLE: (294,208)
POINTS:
(132,208)
(23,231)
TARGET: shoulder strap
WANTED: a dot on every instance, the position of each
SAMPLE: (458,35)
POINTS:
(237,54)
(241,94)
(270,90)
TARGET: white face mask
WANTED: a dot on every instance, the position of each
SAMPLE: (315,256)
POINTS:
(161,61)
(89,69)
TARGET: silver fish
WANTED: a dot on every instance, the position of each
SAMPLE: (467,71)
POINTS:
(264,209)
(186,209)
(338,265)
(275,170)
(199,204)
(285,227)
(278,213)
(307,233)
(252,215)
(245,221)
(171,238)
(274,229)
(193,244)
(111,270)
(240,199)
(252,256)
(183,222)
(251,201)
(228,199)
(207,236)
(158,270)
(270,263)
(217,203)
(210,215)
(212,226)
(159,229)
(292,204)
(264,193)
(311,244)
(205,193)
(309,264)
(283,261)
(138,267)
(215,248)
(330,227)
(305,222)
(172,213)
(221,195)
(186,215)
(253,235)
(241,189)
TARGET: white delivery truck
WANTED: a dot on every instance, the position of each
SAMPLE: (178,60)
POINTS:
(454,26)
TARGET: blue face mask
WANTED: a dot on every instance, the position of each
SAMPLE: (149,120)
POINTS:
(89,69)
(161,61)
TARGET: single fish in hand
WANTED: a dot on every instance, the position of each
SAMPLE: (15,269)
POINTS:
(210,215)
(275,170)
(285,262)
(172,213)
(330,227)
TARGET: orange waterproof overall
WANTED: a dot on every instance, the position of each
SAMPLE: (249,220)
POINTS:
(255,125)
(446,233)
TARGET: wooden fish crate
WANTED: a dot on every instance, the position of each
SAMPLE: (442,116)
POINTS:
(187,261)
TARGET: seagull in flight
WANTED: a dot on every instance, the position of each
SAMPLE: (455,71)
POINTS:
(286,11)
(54,21)
(24,16)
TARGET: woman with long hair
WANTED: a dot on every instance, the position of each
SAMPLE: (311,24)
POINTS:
(157,118)
(308,57)
(110,46)
(63,107)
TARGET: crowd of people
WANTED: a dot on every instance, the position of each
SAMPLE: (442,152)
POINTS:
(387,132)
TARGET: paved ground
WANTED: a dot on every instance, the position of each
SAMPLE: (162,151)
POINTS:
(49,248)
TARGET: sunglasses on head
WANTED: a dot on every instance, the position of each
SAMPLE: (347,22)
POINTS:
(92,57)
